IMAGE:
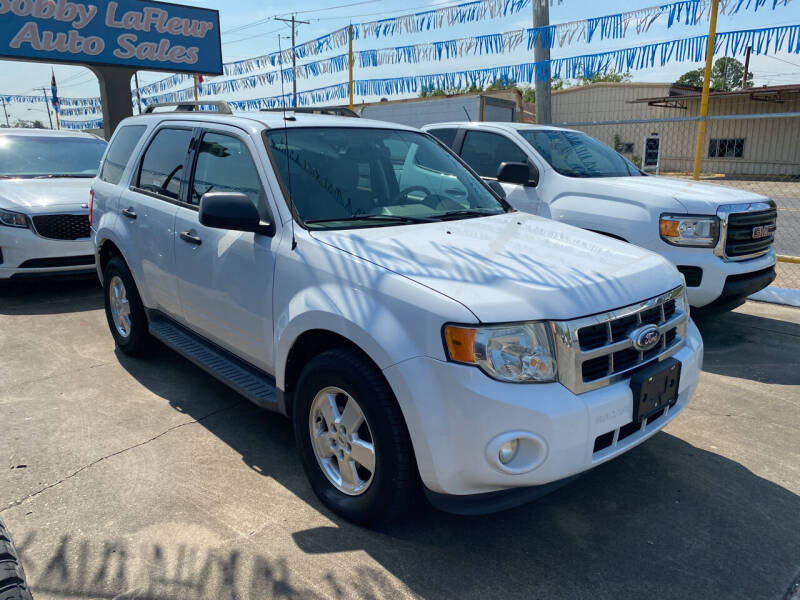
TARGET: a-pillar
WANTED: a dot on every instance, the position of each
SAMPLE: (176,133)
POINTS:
(115,94)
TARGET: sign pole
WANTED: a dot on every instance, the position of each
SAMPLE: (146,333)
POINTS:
(195,88)
(350,60)
(701,126)
(138,93)
(5,111)
(47,106)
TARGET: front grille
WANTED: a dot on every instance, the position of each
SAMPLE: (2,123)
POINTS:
(743,226)
(62,227)
(617,436)
(598,350)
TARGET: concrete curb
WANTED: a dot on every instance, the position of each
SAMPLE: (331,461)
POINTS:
(778,295)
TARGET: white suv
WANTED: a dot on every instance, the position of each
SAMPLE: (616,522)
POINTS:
(45,177)
(719,238)
(358,278)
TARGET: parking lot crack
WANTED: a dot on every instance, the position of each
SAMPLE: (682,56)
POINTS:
(117,453)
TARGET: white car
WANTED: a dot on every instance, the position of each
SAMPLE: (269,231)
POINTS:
(719,238)
(45,178)
(358,278)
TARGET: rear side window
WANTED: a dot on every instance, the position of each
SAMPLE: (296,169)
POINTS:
(162,170)
(446,136)
(224,164)
(484,151)
(120,152)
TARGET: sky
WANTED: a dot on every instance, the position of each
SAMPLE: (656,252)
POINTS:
(249,29)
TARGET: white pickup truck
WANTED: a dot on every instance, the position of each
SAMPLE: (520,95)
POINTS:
(719,238)
(358,278)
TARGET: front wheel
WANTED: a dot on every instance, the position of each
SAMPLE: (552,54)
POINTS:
(353,440)
(12,576)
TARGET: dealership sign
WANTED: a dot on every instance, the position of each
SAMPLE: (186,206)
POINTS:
(133,33)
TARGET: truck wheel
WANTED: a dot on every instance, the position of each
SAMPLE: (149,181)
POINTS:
(353,440)
(12,575)
(124,309)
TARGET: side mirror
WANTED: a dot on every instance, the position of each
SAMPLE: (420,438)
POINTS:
(514,172)
(534,180)
(233,211)
(496,188)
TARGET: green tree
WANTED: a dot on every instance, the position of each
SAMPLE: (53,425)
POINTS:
(604,78)
(726,75)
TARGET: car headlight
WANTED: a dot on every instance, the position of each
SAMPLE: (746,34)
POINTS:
(12,219)
(687,230)
(516,352)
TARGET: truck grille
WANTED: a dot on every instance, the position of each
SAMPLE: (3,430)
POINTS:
(749,230)
(62,227)
(598,350)
(742,227)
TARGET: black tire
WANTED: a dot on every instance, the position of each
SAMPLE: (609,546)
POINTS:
(138,342)
(394,489)
(12,576)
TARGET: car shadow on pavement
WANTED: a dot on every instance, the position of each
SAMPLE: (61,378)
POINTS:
(50,295)
(666,520)
(730,338)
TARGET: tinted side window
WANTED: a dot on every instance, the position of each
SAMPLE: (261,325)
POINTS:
(446,136)
(485,151)
(224,165)
(162,169)
(120,151)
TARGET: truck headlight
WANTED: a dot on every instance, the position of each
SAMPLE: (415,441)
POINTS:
(687,230)
(516,352)
(12,219)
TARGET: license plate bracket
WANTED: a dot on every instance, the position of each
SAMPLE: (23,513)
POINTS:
(654,388)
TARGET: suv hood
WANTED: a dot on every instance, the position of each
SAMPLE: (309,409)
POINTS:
(514,267)
(694,196)
(38,195)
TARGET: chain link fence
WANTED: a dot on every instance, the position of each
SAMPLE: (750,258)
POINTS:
(751,143)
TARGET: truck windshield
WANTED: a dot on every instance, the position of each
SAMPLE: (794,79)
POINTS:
(344,177)
(576,154)
(49,156)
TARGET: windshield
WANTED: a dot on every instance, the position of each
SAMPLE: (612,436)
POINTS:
(49,156)
(576,154)
(347,177)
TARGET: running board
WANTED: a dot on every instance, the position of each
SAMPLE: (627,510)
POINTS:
(254,385)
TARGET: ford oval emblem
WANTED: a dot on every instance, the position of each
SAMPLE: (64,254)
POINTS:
(645,338)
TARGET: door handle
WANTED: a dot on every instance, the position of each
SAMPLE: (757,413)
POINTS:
(129,212)
(187,237)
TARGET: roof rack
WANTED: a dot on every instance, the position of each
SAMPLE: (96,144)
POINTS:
(338,111)
(188,106)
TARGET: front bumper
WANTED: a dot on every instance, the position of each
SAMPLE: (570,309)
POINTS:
(25,254)
(455,413)
(716,273)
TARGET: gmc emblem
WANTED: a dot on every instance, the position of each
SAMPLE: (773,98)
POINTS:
(762,231)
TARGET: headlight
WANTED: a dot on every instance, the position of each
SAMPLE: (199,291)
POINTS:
(517,352)
(685,230)
(12,219)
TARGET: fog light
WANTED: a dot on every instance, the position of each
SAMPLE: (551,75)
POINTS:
(508,451)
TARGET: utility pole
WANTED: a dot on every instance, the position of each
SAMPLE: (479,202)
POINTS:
(350,60)
(701,125)
(541,53)
(746,67)
(47,106)
(138,94)
(5,111)
(294,23)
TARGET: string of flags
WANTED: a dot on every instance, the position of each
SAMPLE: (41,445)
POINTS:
(647,56)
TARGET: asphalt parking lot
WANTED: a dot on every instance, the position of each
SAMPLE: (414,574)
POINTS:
(129,478)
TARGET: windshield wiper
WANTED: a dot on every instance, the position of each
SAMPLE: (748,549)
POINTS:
(373,217)
(468,212)
(61,175)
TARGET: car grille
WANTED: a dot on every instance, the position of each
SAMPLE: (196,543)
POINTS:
(751,233)
(596,351)
(62,227)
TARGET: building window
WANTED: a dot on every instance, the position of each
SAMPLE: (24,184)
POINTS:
(722,148)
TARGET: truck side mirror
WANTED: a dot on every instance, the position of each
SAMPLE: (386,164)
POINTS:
(514,172)
(496,188)
(534,180)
